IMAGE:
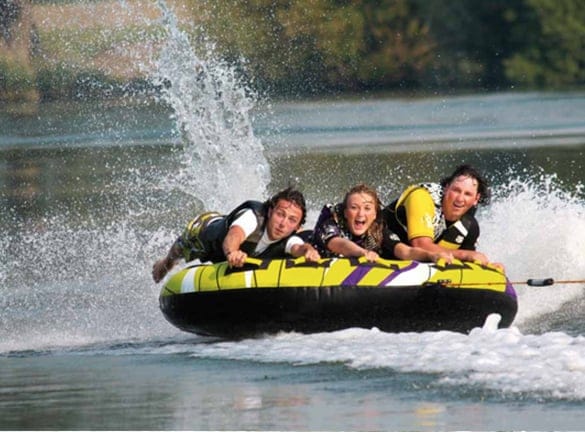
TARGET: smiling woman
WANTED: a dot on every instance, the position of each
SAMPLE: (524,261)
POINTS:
(352,228)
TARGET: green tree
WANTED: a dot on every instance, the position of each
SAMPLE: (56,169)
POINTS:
(362,44)
(472,39)
(311,45)
(351,45)
(550,37)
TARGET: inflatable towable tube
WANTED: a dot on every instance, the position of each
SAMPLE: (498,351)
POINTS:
(272,295)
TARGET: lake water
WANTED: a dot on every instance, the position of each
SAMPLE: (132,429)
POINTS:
(92,195)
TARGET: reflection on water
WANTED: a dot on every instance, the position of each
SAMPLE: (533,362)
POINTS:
(177,392)
(38,182)
(80,182)
(392,172)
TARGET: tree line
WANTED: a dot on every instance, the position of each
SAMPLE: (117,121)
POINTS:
(353,45)
(305,47)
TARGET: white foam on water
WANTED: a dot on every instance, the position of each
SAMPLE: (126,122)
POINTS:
(537,229)
(547,366)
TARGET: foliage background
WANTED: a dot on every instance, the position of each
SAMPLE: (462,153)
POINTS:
(66,49)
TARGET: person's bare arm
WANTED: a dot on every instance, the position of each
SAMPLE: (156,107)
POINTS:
(347,248)
(231,246)
(405,252)
(427,244)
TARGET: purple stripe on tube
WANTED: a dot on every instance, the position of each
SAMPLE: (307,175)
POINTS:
(356,276)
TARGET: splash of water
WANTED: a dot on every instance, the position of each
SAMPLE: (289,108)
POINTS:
(537,228)
(90,281)
(223,160)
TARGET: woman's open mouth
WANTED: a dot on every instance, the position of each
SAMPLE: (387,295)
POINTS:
(359,225)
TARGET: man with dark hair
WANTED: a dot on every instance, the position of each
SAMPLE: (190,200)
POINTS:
(440,217)
(263,230)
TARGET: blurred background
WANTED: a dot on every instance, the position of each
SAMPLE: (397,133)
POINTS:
(68,49)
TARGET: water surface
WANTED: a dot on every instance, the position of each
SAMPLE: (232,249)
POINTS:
(84,346)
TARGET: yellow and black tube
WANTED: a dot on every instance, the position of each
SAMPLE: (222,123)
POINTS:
(272,295)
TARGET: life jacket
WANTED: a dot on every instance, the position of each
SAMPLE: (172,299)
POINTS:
(211,236)
(462,233)
(261,212)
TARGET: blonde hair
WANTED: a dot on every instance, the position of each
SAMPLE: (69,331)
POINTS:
(375,231)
